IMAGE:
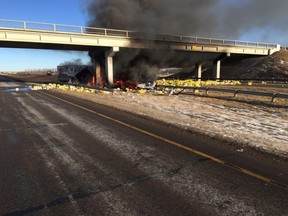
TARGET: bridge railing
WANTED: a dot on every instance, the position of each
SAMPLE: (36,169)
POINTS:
(39,26)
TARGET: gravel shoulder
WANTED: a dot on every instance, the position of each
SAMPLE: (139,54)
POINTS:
(241,123)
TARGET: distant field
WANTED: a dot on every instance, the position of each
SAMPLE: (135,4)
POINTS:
(32,78)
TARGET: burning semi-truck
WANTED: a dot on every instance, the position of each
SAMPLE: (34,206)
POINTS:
(76,74)
(83,75)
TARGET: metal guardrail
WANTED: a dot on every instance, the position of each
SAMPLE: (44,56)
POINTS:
(60,28)
(235,92)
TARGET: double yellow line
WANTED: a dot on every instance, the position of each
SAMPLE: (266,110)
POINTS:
(217,160)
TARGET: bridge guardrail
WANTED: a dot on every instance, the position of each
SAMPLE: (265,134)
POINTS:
(61,28)
(235,92)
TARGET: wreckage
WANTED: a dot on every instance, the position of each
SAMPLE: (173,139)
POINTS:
(76,74)
(83,75)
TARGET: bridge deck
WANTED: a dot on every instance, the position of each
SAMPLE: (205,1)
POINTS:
(40,35)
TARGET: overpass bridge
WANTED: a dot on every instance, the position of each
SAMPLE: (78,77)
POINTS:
(23,34)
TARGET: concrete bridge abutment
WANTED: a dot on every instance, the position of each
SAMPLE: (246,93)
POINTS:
(109,64)
(97,58)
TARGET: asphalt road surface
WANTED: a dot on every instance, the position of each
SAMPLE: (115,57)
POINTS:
(63,156)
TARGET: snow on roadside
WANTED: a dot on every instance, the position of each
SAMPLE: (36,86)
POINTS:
(253,125)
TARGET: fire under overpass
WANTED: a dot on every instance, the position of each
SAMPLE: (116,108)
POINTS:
(36,35)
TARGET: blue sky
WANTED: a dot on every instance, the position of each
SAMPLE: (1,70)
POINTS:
(69,12)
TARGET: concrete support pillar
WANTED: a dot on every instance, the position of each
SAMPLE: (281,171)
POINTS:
(109,64)
(217,65)
(199,72)
(98,74)
(217,69)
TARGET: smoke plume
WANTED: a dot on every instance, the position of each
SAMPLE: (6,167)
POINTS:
(263,20)
(74,62)
(229,19)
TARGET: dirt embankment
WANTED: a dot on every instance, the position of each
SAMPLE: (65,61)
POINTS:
(249,67)
(270,67)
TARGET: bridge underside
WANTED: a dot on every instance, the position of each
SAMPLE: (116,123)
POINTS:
(166,58)
(176,52)
(48,46)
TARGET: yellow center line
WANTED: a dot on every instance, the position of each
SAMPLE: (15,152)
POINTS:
(217,160)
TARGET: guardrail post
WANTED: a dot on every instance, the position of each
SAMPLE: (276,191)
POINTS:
(207,91)
(81,30)
(24,25)
(235,93)
(54,27)
(274,98)
(171,92)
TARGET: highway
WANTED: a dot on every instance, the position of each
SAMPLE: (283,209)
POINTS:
(60,155)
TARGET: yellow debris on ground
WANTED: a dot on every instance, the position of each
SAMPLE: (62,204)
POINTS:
(175,83)
(193,83)
(35,88)
(142,91)
(160,92)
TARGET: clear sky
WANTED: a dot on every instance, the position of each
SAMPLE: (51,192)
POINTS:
(69,12)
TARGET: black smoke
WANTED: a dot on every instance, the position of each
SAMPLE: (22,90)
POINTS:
(142,65)
(265,20)
(209,18)
(73,62)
